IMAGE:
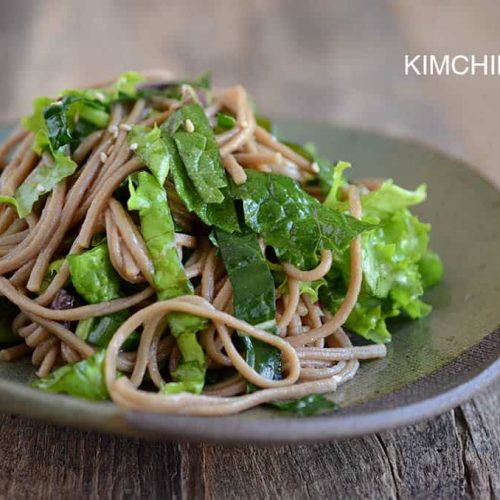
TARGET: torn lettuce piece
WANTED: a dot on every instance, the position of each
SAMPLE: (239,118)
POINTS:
(152,150)
(254,298)
(430,268)
(42,180)
(198,150)
(95,279)
(149,198)
(294,223)
(124,88)
(84,379)
(93,275)
(396,264)
(326,169)
(190,374)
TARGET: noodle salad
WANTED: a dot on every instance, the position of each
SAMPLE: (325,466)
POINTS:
(163,247)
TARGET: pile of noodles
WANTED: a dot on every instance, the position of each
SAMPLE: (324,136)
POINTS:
(317,355)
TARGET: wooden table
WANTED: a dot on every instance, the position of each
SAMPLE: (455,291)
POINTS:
(340,61)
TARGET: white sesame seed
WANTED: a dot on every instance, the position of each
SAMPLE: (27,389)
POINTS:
(100,96)
(189,125)
(40,188)
(77,117)
(244,124)
(103,156)
(315,167)
(113,130)
(126,127)
(134,146)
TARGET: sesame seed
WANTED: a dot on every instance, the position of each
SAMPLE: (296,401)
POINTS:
(126,127)
(189,125)
(40,188)
(134,146)
(113,130)
(100,96)
(103,156)
(244,124)
(315,167)
(77,117)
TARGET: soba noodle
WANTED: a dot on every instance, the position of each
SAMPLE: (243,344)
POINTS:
(316,353)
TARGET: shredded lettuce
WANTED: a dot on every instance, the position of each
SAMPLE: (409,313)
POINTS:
(397,265)
(84,379)
(149,198)
(157,227)
(152,150)
(95,279)
(93,275)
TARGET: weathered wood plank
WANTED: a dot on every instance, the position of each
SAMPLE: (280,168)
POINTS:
(44,461)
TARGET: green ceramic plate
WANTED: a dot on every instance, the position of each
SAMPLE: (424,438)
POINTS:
(432,365)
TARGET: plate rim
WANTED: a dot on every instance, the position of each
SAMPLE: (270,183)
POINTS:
(265,430)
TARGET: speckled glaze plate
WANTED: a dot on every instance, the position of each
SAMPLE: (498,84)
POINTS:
(432,364)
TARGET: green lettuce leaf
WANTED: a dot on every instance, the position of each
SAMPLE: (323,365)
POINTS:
(84,379)
(93,275)
(397,265)
(95,279)
(430,268)
(157,227)
(152,150)
(294,223)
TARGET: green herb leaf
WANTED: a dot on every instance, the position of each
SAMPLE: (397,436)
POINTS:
(84,379)
(222,215)
(294,223)
(253,297)
(198,150)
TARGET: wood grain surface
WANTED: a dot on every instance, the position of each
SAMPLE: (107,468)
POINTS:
(338,61)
